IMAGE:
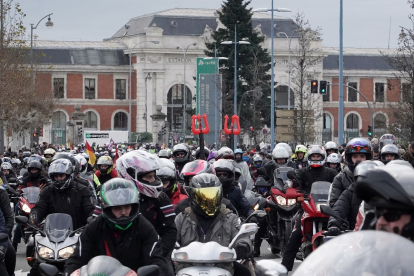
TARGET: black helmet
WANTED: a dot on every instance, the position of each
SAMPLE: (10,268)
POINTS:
(391,188)
(118,192)
(206,153)
(70,157)
(61,166)
(34,164)
(167,172)
(225,171)
(205,193)
(389,149)
(177,153)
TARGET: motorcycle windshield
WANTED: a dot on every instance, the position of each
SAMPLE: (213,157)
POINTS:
(58,226)
(31,194)
(245,178)
(320,191)
(105,265)
(281,176)
(361,253)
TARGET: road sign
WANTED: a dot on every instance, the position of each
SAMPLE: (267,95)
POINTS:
(222,136)
(264,131)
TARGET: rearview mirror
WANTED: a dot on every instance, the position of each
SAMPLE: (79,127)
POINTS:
(246,229)
(326,210)
(48,270)
(149,270)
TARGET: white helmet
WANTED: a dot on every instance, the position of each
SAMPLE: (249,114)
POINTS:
(331,146)
(6,166)
(280,153)
(316,149)
(83,164)
(333,158)
(286,147)
(135,164)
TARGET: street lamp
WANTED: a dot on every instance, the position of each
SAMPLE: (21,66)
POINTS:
(235,42)
(272,82)
(216,116)
(185,87)
(290,40)
(49,24)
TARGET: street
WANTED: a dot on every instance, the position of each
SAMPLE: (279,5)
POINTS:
(22,268)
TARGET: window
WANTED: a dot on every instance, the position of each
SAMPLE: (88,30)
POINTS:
(352,94)
(120,89)
(175,107)
(352,121)
(120,121)
(379,92)
(406,92)
(59,88)
(91,120)
(327,97)
(89,88)
(59,120)
(282,97)
(327,124)
(380,121)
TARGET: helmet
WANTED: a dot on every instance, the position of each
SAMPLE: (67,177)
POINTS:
(389,187)
(331,146)
(386,139)
(61,166)
(167,172)
(357,145)
(205,194)
(105,160)
(333,158)
(225,153)
(316,149)
(183,149)
(73,152)
(26,154)
(257,161)
(280,153)
(134,165)
(389,149)
(6,166)
(226,172)
(238,151)
(206,153)
(70,157)
(286,147)
(194,168)
(48,154)
(83,164)
(164,154)
(363,167)
(398,162)
(119,192)
(379,163)
(301,148)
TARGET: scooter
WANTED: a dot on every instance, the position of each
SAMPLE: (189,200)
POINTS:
(102,265)
(54,243)
(202,255)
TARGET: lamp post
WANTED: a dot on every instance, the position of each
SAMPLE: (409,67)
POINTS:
(130,86)
(185,88)
(235,42)
(341,77)
(272,82)
(216,116)
(290,40)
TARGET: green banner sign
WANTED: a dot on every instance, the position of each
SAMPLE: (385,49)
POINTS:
(205,66)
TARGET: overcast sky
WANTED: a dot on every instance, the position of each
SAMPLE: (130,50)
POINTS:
(366,22)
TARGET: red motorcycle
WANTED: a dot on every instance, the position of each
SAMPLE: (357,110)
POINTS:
(30,196)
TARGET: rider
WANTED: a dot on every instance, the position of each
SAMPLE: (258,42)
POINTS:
(48,155)
(356,151)
(206,153)
(105,171)
(35,176)
(257,164)
(207,219)
(300,152)
(389,152)
(304,179)
(331,147)
(334,161)
(181,155)
(120,232)
(167,174)
(280,159)
(238,156)
(8,172)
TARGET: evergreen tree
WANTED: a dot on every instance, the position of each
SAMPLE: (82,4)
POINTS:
(253,65)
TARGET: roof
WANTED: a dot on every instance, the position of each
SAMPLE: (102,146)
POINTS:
(51,44)
(192,22)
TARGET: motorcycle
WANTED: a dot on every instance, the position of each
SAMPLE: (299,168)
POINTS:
(202,255)
(54,244)
(28,199)
(102,265)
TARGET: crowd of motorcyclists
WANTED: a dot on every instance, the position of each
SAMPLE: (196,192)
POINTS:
(138,205)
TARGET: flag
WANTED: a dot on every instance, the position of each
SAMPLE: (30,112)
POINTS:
(70,145)
(111,144)
(115,157)
(163,146)
(92,157)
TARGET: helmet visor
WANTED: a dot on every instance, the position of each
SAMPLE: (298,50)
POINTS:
(118,196)
(208,199)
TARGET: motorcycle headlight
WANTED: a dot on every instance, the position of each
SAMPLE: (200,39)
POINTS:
(26,208)
(291,201)
(256,206)
(226,256)
(318,206)
(181,256)
(66,252)
(281,200)
(45,252)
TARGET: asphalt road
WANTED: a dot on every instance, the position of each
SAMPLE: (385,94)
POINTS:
(22,268)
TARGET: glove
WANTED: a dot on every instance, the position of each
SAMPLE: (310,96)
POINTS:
(242,250)
(2,253)
(334,231)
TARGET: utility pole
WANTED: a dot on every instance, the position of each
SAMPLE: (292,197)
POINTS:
(1,75)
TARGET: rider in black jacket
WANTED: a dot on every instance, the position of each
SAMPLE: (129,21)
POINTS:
(120,232)
(305,177)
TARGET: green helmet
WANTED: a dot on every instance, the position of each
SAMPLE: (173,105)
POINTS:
(119,192)
(301,148)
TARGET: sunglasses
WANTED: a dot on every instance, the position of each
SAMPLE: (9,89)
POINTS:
(222,174)
(179,154)
(390,216)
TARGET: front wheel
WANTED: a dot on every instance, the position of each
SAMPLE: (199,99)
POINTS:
(287,231)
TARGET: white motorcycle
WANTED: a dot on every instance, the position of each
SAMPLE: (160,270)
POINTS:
(203,255)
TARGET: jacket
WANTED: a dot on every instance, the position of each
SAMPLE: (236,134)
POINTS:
(341,182)
(239,201)
(101,179)
(177,196)
(346,207)
(182,205)
(6,209)
(222,230)
(74,201)
(136,247)
(4,229)
(306,176)
(28,182)
(160,213)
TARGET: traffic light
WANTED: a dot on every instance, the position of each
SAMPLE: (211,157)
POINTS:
(252,130)
(314,86)
(370,131)
(34,134)
(164,130)
(322,87)
(80,132)
(159,135)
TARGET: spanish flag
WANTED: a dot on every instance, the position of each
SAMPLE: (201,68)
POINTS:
(70,145)
(92,157)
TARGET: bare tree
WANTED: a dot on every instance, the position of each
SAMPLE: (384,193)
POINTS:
(305,60)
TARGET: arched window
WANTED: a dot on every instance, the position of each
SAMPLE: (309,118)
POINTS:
(327,121)
(327,128)
(91,121)
(380,121)
(175,107)
(121,121)
(282,97)
(352,121)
